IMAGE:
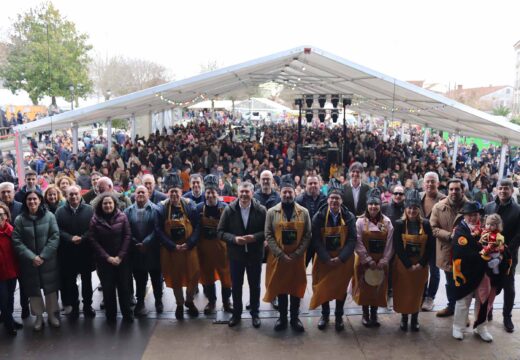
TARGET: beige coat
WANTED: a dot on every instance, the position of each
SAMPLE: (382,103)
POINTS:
(443,217)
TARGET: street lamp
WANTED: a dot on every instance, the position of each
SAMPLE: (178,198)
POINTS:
(71,88)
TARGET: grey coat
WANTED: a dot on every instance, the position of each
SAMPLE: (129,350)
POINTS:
(37,237)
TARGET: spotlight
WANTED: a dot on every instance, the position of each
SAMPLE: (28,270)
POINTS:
(334,114)
(309,115)
(309,99)
(334,99)
(298,102)
(321,115)
(321,100)
(347,101)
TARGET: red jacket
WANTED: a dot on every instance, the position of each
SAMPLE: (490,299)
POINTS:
(8,262)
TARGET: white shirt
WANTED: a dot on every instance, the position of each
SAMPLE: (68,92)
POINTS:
(355,193)
(245,213)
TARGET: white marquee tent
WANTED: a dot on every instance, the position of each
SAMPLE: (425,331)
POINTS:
(302,70)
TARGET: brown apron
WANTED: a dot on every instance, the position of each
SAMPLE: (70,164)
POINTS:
(286,278)
(213,260)
(364,294)
(329,282)
(408,285)
(179,268)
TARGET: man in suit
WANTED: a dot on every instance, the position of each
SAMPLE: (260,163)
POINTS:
(355,197)
(241,226)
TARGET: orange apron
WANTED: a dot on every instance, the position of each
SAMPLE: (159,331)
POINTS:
(179,268)
(212,253)
(282,277)
(364,294)
(409,286)
(329,282)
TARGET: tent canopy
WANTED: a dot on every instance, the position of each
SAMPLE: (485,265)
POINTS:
(302,71)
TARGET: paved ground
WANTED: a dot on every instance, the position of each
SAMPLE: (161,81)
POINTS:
(163,337)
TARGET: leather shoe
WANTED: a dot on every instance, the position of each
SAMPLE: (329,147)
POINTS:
(281,324)
(322,323)
(297,325)
(508,324)
(17,325)
(179,312)
(159,307)
(274,303)
(228,307)
(209,309)
(256,322)
(192,309)
(234,321)
(25,312)
(89,312)
(446,312)
(338,324)
(404,323)
(74,314)
(414,325)
(365,320)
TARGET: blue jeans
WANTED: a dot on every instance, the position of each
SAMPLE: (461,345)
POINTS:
(254,272)
(435,277)
(450,289)
(7,288)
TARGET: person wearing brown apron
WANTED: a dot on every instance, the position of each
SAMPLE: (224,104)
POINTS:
(213,260)
(374,249)
(288,234)
(334,238)
(414,245)
(179,232)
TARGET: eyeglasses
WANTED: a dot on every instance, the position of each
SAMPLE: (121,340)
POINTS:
(399,193)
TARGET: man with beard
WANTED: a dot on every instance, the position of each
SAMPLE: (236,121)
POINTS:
(443,218)
(334,236)
(195,193)
(178,233)
(213,259)
(75,253)
(266,194)
(288,233)
(312,199)
(242,227)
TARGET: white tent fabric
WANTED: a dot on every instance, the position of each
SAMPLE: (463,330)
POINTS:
(302,70)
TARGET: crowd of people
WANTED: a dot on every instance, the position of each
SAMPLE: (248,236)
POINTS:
(384,219)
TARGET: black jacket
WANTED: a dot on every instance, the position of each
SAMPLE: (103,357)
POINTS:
(393,210)
(267,200)
(79,257)
(318,222)
(399,230)
(510,214)
(310,204)
(231,225)
(348,199)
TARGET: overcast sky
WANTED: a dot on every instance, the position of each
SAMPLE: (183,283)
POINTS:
(457,41)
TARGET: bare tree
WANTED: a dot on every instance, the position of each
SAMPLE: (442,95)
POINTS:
(119,75)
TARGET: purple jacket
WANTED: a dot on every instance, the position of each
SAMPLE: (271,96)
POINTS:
(110,238)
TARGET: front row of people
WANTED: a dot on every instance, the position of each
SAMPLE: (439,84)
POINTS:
(213,241)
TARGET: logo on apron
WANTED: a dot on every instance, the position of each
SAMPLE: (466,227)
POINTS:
(210,232)
(413,249)
(178,234)
(332,242)
(289,237)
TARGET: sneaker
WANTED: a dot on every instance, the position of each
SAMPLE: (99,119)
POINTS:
(458,334)
(483,332)
(67,310)
(427,304)
(38,323)
(54,322)
(446,312)
(140,310)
